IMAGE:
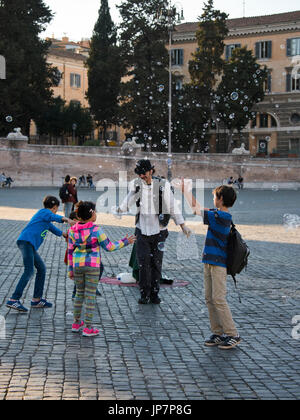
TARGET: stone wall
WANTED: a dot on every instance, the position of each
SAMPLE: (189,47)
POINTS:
(35,165)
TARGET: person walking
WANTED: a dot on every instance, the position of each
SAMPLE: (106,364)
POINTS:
(64,196)
(155,206)
(73,192)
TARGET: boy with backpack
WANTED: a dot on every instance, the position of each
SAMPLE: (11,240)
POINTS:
(219,220)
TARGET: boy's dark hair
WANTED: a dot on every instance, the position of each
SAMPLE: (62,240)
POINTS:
(85,209)
(73,215)
(227,193)
(50,201)
(67,178)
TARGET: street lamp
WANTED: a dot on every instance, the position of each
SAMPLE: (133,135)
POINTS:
(174,13)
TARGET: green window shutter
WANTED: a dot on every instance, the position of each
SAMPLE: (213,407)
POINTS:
(288,82)
(269,48)
(289,47)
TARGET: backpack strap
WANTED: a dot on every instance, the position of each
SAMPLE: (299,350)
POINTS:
(236,288)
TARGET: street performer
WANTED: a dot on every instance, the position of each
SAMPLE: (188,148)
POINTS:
(155,205)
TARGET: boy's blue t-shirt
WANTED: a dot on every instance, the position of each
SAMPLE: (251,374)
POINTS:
(39,225)
(215,249)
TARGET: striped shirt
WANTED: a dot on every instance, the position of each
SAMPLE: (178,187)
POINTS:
(215,249)
(84,243)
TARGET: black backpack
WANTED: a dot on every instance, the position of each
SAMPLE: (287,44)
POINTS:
(63,192)
(237,254)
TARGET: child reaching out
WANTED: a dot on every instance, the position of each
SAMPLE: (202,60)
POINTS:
(84,260)
(73,216)
(29,242)
(224,332)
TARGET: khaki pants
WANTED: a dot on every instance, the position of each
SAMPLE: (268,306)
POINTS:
(221,321)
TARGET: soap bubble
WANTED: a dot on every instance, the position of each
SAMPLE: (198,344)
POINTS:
(231,116)
(268,138)
(115,213)
(161,88)
(234,96)
(9,119)
(186,248)
(275,188)
(164,142)
(161,246)
(291,221)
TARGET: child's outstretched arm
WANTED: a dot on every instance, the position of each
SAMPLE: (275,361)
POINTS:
(109,246)
(186,189)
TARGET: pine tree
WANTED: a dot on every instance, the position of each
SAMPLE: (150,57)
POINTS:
(207,63)
(144,103)
(194,112)
(29,78)
(242,86)
(105,70)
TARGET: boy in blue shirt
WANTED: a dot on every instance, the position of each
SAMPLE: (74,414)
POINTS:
(29,242)
(224,332)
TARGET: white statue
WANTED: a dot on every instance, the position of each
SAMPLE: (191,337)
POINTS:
(131,144)
(241,150)
(16,135)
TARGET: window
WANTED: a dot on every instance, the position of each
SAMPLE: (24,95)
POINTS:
(75,80)
(293,81)
(177,57)
(268,83)
(178,83)
(263,49)
(295,118)
(229,50)
(294,145)
(263,120)
(293,47)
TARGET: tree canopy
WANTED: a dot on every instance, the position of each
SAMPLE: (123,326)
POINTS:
(29,78)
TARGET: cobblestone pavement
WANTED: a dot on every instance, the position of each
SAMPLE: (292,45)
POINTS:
(152,351)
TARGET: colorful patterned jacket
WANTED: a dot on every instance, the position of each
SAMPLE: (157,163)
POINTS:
(84,245)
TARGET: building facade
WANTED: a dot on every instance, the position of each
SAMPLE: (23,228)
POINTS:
(275,42)
(74,79)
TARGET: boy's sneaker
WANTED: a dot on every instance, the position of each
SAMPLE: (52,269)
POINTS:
(229,343)
(77,327)
(17,305)
(90,332)
(215,340)
(42,303)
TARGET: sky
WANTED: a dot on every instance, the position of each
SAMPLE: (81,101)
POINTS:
(76,18)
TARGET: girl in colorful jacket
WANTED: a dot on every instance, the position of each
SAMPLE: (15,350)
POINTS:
(84,260)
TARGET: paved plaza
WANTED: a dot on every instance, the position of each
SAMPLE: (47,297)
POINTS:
(155,352)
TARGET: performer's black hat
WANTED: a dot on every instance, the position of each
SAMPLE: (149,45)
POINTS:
(143,166)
